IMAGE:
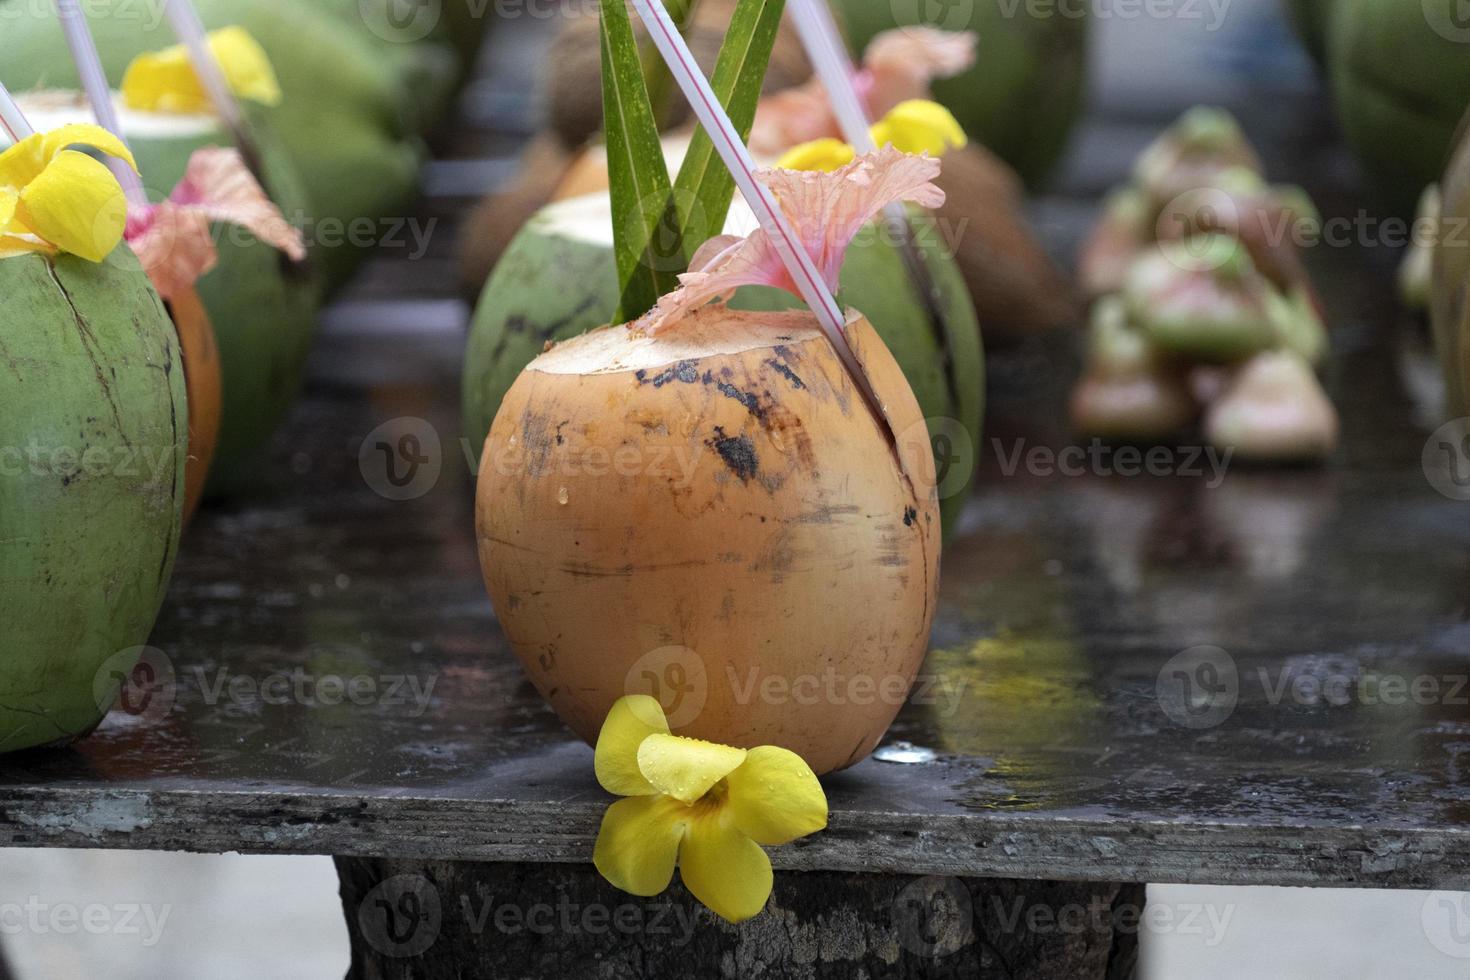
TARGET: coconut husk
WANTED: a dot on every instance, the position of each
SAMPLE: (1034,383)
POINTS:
(574,74)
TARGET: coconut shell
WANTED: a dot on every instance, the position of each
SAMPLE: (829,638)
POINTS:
(752,511)
(1450,288)
(93,442)
(573,76)
(202,381)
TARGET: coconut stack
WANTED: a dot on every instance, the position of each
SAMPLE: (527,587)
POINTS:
(1204,314)
(348,124)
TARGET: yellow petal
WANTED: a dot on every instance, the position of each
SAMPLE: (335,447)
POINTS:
(25,161)
(77,205)
(12,246)
(775,797)
(639,842)
(631,720)
(686,768)
(164,81)
(920,126)
(724,869)
(8,201)
(825,154)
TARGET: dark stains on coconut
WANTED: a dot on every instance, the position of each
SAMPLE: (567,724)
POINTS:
(738,453)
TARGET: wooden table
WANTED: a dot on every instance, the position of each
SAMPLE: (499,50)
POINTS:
(1157,678)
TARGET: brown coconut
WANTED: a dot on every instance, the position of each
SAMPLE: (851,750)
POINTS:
(716,507)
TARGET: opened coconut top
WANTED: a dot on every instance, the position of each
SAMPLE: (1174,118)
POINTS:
(713,331)
(53,108)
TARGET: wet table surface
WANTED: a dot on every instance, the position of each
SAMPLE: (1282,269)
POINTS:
(1254,678)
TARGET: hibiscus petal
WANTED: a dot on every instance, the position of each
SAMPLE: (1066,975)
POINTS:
(826,211)
(219,185)
(639,842)
(631,720)
(901,64)
(174,245)
(775,797)
(725,869)
(686,768)
(77,205)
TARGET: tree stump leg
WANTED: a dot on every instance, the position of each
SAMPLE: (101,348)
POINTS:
(436,920)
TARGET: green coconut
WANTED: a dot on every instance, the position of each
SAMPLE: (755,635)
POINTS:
(1025,91)
(93,441)
(558,279)
(1450,286)
(347,123)
(1400,73)
(263,306)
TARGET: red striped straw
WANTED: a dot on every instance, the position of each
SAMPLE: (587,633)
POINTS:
(99,94)
(12,120)
(737,159)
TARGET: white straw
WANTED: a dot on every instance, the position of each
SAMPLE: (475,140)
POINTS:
(12,120)
(190,31)
(99,94)
(828,55)
(737,159)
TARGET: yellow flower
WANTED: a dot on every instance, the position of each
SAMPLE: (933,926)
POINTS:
(54,198)
(704,806)
(826,155)
(919,126)
(164,81)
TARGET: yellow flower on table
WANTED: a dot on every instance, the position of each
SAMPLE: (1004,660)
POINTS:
(706,807)
(54,198)
(164,81)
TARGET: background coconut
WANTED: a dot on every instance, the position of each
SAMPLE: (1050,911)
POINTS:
(262,305)
(1025,91)
(1312,20)
(346,120)
(1450,292)
(1400,73)
(573,77)
(559,279)
(92,490)
(760,528)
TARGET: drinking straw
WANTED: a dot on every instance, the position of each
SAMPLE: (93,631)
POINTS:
(736,156)
(94,83)
(12,120)
(189,29)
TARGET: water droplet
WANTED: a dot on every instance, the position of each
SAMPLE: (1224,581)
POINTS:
(905,753)
(562,496)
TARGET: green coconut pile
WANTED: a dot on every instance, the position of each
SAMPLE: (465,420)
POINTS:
(1205,316)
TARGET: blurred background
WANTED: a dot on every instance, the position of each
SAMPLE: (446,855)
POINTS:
(242,916)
